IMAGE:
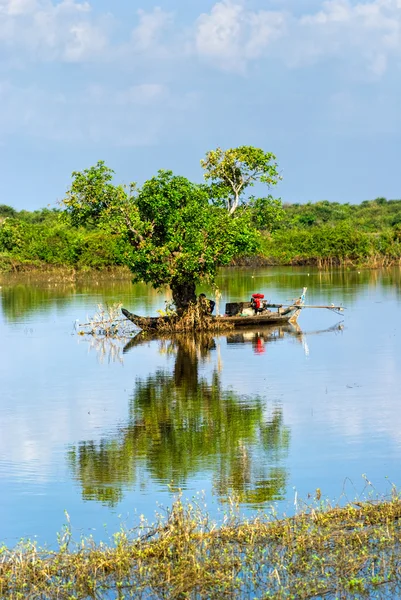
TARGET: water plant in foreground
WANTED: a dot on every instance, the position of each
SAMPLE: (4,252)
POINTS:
(323,551)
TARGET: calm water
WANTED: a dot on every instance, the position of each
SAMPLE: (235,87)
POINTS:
(108,432)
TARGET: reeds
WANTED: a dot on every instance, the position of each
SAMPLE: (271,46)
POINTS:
(106,323)
(322,552)
(41,271)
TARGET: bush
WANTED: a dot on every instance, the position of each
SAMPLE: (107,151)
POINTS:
(99,249)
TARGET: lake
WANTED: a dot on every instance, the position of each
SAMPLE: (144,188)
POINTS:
(111,430)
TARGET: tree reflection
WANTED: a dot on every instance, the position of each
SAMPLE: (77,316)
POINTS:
(335,286)
(181,425)
(20,296)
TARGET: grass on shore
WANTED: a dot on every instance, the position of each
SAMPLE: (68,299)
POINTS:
(279,257)
(322,552)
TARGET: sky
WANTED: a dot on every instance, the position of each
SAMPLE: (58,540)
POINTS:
(148,86)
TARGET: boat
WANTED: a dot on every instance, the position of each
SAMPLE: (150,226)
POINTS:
(237,315)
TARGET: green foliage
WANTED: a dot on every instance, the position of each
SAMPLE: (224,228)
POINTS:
(232,171)
(336,242)
(47,239)
(174,232)
(43,216)
(7,211)
(14,235)
(267,213)
(329,233)
(397,232)
(189,237)
(169,232)
(57,245)
(98,250)
(370,216)
(92,198)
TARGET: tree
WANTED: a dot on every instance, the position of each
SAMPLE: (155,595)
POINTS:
(267,213)
(173,235)
(232,171)
(93,200)
(179,425)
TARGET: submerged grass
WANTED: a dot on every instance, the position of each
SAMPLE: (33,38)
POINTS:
(322,552)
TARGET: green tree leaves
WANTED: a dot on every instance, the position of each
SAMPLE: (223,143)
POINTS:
(267,213)
(173,235)
(232,171)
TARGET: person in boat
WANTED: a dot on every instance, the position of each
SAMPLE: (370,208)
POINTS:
(207,303)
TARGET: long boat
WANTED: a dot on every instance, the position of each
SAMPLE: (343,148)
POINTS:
(238,315)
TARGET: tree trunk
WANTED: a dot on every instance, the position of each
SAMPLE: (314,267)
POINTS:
(234,204)
(186,369)
(183,294)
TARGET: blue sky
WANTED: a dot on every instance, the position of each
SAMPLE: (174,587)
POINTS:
(146,86)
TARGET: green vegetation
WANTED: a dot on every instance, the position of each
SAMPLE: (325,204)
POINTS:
(47,238)
(329,233)
(172,233)
(322,552)
(176,233)
(232,171)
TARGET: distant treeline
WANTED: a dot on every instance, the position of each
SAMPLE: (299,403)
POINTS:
(329,233)
(34,240)
(322,233)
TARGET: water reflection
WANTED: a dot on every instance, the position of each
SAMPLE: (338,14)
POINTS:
(183,424)
(23,296)
(337,285)
(27,297)
(182,415)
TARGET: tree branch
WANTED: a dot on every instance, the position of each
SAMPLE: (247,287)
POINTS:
(131,229)
(253,175)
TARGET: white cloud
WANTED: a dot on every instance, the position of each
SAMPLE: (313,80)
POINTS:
(84,41)
(17,7)
(368,33)
(71,31)
(219,32)
(365,34)
(150,29)
(265,27)
(231,35)
(40,29)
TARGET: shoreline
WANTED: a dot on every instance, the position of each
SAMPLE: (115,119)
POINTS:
(322,551)
(57,273)
(373,262)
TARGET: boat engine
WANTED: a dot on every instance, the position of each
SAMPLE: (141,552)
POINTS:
(258,303)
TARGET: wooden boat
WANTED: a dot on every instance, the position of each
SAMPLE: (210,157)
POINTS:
(238,315)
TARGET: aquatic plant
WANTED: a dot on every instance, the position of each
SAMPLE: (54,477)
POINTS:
(106,323)
(323,551)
